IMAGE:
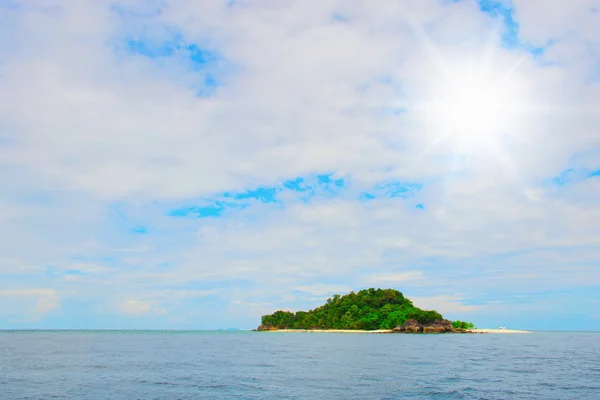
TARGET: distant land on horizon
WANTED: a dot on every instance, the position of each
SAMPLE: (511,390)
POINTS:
(369,310)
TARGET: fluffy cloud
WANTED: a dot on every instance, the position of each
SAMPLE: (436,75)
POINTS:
(444,304)
(28,305)
(136,307)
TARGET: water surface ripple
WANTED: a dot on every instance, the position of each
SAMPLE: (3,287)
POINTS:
(253,365)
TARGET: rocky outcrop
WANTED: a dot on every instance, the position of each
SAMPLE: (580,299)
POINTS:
(267,328)
(439,326)
(413,326)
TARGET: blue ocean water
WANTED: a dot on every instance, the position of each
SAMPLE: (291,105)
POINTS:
(270,365)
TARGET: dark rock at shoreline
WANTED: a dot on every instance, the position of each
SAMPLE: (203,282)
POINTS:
(438,326)
(267,328)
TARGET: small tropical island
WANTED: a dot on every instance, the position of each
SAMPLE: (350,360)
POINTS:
(369,310)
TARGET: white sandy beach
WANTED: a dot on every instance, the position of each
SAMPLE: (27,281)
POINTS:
(332,330)
(484,330)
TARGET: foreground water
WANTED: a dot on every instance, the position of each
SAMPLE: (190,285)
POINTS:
(254,365)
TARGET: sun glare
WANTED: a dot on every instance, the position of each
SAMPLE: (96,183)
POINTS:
(472,108)
(469,107)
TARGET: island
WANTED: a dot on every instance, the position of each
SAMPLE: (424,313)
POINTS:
(369,310)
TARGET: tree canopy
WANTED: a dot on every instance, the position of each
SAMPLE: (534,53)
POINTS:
(369,309)
(462,325)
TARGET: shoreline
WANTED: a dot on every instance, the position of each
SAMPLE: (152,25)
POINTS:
(331,330)
(485,330)
(382,331)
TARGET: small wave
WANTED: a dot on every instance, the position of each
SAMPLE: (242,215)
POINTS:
(163,383)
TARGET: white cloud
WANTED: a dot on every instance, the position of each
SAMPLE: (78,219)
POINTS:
(395,278)
(15,265)
(321,290)
(46,304)
(136,307)
(28,292)
(444,304)
(541,21)
(28,304)
(159,302)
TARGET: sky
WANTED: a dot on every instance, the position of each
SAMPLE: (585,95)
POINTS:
(197,164)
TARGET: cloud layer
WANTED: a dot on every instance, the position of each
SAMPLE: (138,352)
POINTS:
(196,164)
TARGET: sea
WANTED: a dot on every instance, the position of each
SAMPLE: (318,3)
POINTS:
(274,365)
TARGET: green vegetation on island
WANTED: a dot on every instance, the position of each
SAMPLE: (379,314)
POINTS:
(369,309)
(462,325)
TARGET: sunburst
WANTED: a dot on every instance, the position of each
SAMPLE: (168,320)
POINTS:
(472,102)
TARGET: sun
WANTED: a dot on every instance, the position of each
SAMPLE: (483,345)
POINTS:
(469,107)
(472,106)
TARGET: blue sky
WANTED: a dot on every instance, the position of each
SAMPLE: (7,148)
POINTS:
(194,165)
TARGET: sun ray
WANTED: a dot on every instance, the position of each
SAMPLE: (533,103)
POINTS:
(431,50)
(471,103)
(436,141)
(489,50)
(471,106)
